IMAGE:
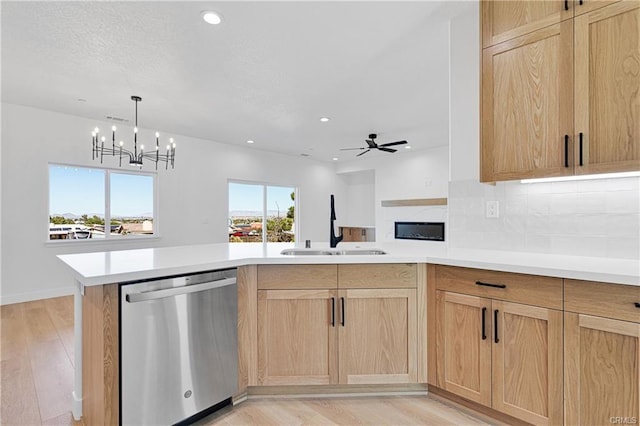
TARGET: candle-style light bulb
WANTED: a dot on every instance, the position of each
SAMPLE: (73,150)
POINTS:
(103,139)
(141,147)
(135,130)
(96,130)
(157,135)
(113,128)
(174,145)
(121,143)
(168,147)
(93,134)
(157,147)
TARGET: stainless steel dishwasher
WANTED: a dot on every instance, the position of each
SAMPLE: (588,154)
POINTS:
(179,347)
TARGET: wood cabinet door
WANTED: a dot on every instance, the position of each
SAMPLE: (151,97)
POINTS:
(505,20)
(585,6)
(527,106)
(378,336)
(607,89)
(463,345)
(297,340)
(527,362)
(602,375)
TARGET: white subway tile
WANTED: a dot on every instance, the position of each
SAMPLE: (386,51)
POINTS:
(623,248)
(622,202)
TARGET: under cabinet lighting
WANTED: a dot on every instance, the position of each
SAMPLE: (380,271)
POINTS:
(250,141)
(212,18)
(583,177)
(324,119)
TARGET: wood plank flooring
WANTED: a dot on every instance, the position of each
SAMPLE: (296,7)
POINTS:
(37,354)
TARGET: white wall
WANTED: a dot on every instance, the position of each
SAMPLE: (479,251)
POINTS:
(464,95)
(405,175)
(589,218)
(192,198)
(361,199)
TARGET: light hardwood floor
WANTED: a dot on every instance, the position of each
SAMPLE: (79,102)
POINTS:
(36,350)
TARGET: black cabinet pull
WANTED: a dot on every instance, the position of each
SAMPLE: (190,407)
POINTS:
(491,285)
(342,317)
(637,305)
(484,323)
(333,312)
(566,150)
(566,4)
(581,134)
(580,2)
(495,326)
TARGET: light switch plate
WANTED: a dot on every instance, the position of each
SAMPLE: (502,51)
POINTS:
(493,209)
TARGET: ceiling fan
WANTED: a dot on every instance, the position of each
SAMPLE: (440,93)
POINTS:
(371,144)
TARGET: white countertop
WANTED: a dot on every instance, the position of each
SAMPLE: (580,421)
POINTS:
(129,265)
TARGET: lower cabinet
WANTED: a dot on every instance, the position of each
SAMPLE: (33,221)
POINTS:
(338,335)
(497,353)
(297,337)
(377,336)
(602,353)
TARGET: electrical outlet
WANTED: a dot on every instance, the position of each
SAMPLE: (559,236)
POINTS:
(493,209)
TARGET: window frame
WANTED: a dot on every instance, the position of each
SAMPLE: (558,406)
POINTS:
(107,205)
(265,185)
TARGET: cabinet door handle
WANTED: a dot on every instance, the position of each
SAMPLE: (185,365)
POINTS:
(342,310)
(333,312)
(566,150)
(495,326)
(581,134)
(566,4)
(484,323)
(491,285)
(637,305)
(580,2)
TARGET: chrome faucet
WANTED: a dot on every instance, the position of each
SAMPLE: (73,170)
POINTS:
(333,239)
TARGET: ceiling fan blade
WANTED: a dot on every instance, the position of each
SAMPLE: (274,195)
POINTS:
(371,143)
(394,143)
(364,152)
(351,149)
(387,149)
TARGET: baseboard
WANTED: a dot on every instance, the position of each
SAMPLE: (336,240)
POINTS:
(329,391)
(476,409)
(35,295)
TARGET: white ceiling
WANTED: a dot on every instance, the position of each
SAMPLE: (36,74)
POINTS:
(267,73)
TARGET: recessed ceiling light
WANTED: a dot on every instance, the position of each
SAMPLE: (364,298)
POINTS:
(249,141)
(407,147)
(324,119)
(212,18)
(335,158)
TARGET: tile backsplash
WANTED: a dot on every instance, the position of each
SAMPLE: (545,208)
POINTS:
(587,218)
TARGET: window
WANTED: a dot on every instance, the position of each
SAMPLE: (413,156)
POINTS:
(82,200)
(253,204)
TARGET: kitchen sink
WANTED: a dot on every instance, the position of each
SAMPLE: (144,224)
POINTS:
(352,252)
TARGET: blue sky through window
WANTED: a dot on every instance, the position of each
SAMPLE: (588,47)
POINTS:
(80,190)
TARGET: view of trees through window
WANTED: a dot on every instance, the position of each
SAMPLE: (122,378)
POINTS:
(80,205)
(250,205)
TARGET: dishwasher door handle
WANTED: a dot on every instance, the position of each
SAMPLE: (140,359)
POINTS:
(176,291)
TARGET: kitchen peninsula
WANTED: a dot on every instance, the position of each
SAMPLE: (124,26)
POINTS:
(432,282)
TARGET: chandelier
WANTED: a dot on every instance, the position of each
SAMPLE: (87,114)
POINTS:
(99,150)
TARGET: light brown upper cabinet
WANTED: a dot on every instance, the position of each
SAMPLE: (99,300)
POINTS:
(546,114)
(527,105)
(504,20)
(607,89)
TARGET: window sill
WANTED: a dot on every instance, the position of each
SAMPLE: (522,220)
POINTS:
(99,241)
